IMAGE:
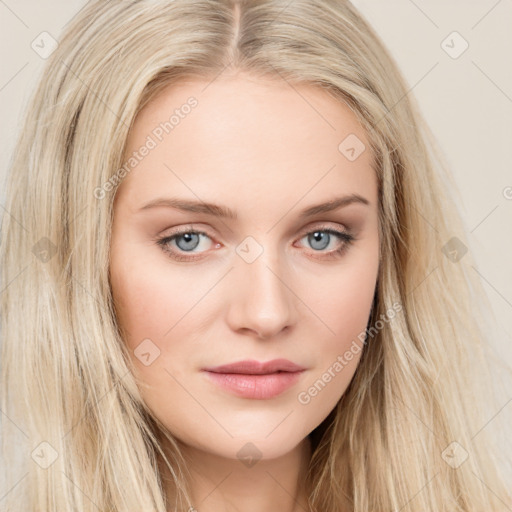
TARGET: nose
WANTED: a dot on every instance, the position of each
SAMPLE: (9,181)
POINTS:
(263,302)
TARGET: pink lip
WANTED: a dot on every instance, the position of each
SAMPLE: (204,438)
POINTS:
(252,379)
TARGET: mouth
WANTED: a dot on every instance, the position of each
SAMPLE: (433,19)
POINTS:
(255,380)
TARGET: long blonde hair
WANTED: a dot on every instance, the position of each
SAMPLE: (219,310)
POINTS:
(397,438)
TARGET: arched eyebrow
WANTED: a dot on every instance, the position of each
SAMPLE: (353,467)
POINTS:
(217,210)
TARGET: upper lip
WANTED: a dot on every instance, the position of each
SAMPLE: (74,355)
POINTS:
(252,367)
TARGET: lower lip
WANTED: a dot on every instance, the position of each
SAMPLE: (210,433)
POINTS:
(257,387)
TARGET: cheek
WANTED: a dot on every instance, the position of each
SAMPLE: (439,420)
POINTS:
(159,310)
(343,305)
(344,294)
(152,312)
(150,299)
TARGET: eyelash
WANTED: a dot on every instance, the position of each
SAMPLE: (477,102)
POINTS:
(344,236)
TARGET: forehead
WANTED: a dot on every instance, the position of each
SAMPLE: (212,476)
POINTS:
(247,139)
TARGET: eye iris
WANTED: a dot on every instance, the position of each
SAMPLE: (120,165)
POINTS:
(316,236)
(188,237)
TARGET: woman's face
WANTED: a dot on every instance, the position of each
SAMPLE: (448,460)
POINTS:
(273,280)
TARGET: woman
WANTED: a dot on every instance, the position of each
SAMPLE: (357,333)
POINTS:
(244,287)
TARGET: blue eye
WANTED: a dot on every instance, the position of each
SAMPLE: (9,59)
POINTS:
(319,239)
(180,243)
(185,241)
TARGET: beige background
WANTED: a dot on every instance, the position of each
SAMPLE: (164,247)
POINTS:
(467,101)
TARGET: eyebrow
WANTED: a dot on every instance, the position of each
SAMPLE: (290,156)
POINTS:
(225,212)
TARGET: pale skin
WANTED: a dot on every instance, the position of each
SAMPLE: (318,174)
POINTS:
(263,150)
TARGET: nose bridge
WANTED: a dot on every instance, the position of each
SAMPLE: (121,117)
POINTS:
(263,300)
